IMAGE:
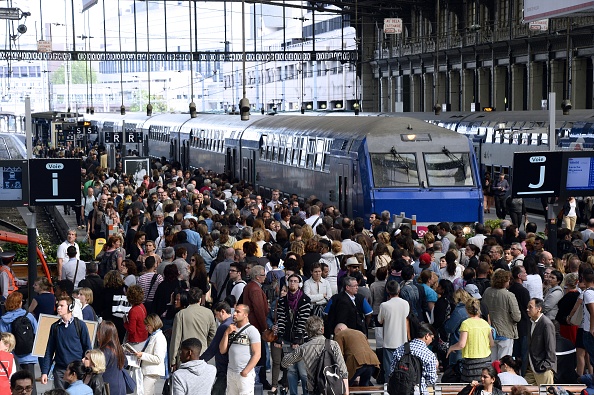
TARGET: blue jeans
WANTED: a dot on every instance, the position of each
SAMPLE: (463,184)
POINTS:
(387,362)
(295,372)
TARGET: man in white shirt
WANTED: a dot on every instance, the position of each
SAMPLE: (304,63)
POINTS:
(479,236)
(588,233)
(314,219)
(349,247)
(74,269)
(61,254)
(275,200)
(393,314)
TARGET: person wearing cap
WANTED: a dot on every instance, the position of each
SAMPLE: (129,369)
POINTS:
(425,262)
(504,311)
(353,269)
(9,282)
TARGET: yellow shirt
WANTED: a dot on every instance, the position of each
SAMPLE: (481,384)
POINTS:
(477,343)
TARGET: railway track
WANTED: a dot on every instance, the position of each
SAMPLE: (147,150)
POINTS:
(10,218)
(5,149)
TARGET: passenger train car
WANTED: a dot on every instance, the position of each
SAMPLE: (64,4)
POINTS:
(360,165)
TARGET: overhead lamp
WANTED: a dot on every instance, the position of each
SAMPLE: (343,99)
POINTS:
(338,105)
(13,14)
(309,107)
(323,106)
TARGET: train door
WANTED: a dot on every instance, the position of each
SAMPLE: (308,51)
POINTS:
(344,187)
(185,154)
(174,149)
(248,169)
(231,162)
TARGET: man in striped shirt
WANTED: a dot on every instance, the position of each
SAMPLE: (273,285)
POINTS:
(149,281)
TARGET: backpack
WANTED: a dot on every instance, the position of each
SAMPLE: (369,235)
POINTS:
(22,329)
(407,373)
(109,261)
(327,377)
(271,289)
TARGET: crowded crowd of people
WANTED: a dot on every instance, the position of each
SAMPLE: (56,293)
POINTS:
(197,266)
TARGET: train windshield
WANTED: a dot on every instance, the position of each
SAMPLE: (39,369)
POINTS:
(394,170)
(446,169)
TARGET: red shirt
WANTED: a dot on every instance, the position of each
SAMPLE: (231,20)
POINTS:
(8,361)
(135,326)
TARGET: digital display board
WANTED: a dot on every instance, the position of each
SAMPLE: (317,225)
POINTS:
(14,183)
(580,173)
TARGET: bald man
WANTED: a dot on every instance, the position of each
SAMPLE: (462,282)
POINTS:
(360,359)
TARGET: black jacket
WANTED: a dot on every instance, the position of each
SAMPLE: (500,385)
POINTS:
(344,311)
(542,344)
(291,327)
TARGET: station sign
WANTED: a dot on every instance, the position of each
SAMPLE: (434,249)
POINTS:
(14,183)
(537,174)
(134,138)
(114,137)
(578,173)
(53,180)
(392,25)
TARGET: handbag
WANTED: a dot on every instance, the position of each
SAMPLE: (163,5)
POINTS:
(167,390)
(269,335)
(577,317)
(130,384)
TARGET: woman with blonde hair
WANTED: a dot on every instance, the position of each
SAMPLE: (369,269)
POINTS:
(94,362)
(85,296)
(381,257)
(152,356)
(259,237)
(384,237)
(45,301)
(308,232)
(475,342)
(452,324)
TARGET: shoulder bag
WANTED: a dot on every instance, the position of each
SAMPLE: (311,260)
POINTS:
(269,335)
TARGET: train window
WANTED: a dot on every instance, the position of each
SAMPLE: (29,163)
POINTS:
(320,154)
(289,152)
(391,171)
(533,139)
(274,154)
(311,151)
(490,132)
(447,169)
(263,140)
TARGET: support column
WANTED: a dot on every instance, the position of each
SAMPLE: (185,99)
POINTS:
(499,88)
(442,91)
(455,89)
(384,91)
(428,96)
(484,92)
(415,93)
(391,95)
(518,82)
(467,89)
(558,80)
(537,79)
(579,87)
